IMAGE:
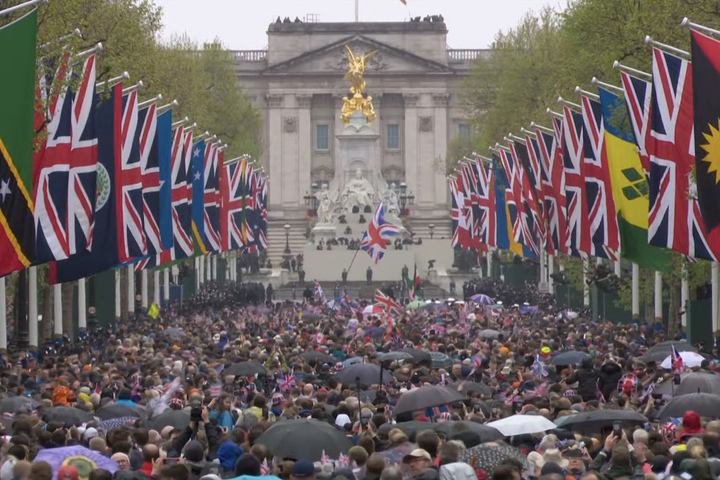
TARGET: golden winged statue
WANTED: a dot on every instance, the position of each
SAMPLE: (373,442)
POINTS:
(357,102)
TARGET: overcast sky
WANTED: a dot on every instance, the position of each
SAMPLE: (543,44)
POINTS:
(242,24)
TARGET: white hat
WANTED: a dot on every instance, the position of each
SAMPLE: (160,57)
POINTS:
(89,433)
(342,420)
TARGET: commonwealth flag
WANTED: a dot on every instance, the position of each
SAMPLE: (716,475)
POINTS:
(17,111)
(706,103)
(629,186)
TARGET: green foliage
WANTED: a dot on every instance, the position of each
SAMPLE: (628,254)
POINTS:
(549,53)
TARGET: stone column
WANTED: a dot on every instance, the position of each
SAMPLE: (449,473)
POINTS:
(440,102)
(338,128)
(274,120)
(410,143)
(305,144)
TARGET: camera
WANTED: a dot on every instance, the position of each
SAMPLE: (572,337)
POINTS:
(195,411)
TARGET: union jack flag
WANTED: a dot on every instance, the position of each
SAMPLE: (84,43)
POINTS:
(638,97)
(529,206)
(520,216)
(318,290)
(539,369)
(386,302)
(535,176)
(378,235)
(260,189)
(604,233)
(675,220)
(65,171)
(578,234)
(553,187)
(460,233)
(129,182)
(472,213)
(212,199)
(265,468)
(286,381)
(150,164)
(676,360)
(236,199)
(484,202)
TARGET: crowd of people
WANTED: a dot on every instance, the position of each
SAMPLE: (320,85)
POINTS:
(235,385)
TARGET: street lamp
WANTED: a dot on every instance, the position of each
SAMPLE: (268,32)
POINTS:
(287,239)
(432,230)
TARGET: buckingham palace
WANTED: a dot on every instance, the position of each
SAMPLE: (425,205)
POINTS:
(297,84)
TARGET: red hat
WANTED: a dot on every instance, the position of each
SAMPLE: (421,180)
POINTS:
(67,472)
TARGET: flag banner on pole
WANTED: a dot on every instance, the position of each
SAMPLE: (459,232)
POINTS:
(233,189)
(534,177)
(164,142)
(378,235)
(198,195)
(675,221)
(470,182)
(460,233)
(211,206)
(705,80)
(553,181)
(17,97)
(486,206)
(529,206)
(147,134)
(604,236)
(129,180)
(103,254)
(502,232)
(519,213)
(638,97)
(65,170)
(629,186)
(261,210)
(576,212)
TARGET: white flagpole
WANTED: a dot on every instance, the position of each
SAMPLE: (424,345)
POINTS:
(586,287)
(144,288)
(130,290)
(57,310)
(14,9)
(715,289)
(166,285)
(33,309)
(684,296)
(3,317)
(156,287)
(658,297)
(118,294)
(357,11)
(635,291)
(82,306)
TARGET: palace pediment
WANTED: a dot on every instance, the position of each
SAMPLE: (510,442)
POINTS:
(331,59)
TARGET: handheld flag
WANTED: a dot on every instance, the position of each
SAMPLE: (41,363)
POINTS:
(386,302)
(378,235)
(539,369)
(154,311)
(676,361)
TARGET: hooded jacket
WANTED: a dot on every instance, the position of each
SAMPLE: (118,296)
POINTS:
(691,426)
(608,379)
(457,471)
(587,378)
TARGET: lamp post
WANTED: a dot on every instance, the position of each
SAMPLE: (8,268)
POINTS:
(287,239)
(432,230)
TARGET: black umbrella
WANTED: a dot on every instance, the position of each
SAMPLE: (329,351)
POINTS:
(408,428)
(659,352)
(568,358)
(419,356)
(699,383)
(486,457)
(465,387)
(486,433)
(595,421)
(668,387)
(67,415)
(245,369)
(394,356)
(367,373)
(367,395)
(116,411)
(427,397)
(289,439)
(172,418)
(317,357)
(704,404)
(13,404)
(440,360)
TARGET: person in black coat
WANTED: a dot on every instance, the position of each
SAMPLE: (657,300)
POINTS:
(609,376)
(587,378)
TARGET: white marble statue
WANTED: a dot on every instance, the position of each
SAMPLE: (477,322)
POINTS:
(325,206)
(358,193)
(390,201)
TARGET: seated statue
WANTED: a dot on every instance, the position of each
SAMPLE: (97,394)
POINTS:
(358,195)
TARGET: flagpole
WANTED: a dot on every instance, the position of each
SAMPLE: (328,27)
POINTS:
(57,310)
(3,318)
(166,286)
(684,295)
(715,289)
(33,309)
(687,23)
(14,9)
(658,297)
(357,11)
(635,291)
(156,287)
(352,261)
(118,294)
(665,47)
(82,306)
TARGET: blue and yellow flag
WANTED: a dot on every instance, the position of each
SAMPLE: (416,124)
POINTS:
(629,186)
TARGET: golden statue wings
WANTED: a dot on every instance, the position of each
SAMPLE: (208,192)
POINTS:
(356,69)
(357,102)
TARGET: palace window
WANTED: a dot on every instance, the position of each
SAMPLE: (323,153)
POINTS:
(463,130)
(393,136)
(322,137)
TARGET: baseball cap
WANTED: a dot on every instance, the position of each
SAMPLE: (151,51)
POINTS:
(90,432)
(416,454)
(303,468)
(67,472)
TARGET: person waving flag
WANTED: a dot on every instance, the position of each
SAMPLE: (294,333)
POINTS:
(378,235)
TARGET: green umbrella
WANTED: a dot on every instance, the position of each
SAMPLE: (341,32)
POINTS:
(416,304)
